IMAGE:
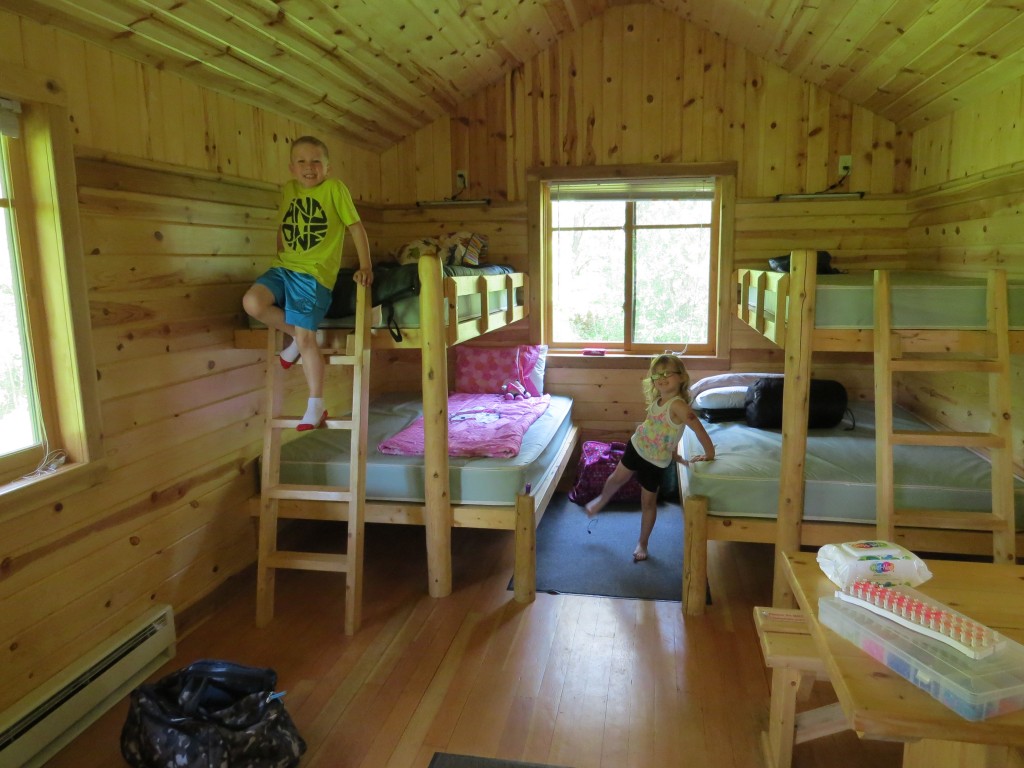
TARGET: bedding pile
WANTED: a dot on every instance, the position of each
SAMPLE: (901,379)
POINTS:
(478,425)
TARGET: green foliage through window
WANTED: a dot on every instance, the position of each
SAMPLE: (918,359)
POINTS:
(650,256)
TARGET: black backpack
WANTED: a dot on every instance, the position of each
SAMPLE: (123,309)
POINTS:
(763,403)
(391,283)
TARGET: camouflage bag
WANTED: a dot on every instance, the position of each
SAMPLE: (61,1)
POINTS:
(211,714)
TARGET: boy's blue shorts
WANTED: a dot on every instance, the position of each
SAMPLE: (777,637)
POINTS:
(304,300)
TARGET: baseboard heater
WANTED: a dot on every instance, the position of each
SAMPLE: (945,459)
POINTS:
(42,723)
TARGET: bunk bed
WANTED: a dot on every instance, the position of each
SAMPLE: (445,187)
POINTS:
(451,307)
(926,322)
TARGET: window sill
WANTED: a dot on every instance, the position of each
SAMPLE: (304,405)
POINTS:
(574,358)
(33,492)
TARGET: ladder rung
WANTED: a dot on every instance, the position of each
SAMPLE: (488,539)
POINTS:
(308,561)
(308,492)
(291,422)
(947,439)
(335,358)
(948,518)
(948,366)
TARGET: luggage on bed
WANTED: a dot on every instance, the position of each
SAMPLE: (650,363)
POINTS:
(597,461)
(763,403)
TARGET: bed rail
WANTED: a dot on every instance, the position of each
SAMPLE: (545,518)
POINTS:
(516,289)
(760,294)
(458,327)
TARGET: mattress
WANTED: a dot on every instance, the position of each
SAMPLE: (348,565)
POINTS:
(919,300)
(743,480)
(321,457)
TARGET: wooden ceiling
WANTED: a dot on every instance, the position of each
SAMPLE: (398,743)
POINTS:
(375,71)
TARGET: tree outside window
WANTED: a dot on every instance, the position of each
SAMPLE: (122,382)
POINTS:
(633,263)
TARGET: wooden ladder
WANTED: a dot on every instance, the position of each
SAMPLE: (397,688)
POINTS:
(273,491)
(990,357)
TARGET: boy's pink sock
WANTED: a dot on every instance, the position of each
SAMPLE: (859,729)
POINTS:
(289,355)
(315,414)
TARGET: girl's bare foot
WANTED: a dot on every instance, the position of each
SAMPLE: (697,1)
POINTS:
(591,508)
(640,553)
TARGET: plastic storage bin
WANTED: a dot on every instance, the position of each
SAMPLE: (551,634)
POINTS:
(973,688)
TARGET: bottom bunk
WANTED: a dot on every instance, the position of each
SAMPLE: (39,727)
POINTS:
(735,497)
(499,493)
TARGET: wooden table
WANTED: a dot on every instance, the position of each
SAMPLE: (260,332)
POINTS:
(880,704)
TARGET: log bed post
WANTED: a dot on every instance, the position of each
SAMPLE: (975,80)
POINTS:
(795,403)
(437,512)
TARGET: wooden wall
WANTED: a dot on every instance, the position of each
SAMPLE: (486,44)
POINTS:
(123,107)
(177,191)
(640,85)
(971,224)
(967,211)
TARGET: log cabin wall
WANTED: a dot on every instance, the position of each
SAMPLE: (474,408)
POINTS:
(177,194)
(966,212)
(641,85)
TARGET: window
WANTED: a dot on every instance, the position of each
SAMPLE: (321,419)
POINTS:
(21,438)
(632,264)
(49,418)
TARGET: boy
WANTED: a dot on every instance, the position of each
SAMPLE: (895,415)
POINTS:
(295,293)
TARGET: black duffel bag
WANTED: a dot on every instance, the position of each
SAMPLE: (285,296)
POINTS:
(211,714)
(763,403)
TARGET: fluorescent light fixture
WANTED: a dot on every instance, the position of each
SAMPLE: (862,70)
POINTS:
(820,196)
(452,202)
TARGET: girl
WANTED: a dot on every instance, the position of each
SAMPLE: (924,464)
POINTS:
(653,446)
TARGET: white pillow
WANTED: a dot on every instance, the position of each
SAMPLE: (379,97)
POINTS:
(728,380)
(721,397)
(533,359)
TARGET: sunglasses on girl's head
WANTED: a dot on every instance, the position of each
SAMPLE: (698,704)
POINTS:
(663,375)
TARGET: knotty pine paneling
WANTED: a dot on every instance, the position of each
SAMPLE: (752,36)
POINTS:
(641,85)
(986,133)
(121,106)
(971,224)
(167,258)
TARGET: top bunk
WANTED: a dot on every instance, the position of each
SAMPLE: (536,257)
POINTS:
(930,311)
(426,302)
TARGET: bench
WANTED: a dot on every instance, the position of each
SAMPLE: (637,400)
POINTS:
(789,652)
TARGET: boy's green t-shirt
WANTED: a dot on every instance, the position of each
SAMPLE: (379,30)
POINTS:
(313,224)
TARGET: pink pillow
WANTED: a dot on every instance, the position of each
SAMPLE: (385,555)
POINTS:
(482,370)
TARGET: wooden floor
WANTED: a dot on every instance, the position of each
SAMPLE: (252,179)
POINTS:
(568,680)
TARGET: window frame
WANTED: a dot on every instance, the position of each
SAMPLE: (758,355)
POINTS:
(539,184)
(45,193)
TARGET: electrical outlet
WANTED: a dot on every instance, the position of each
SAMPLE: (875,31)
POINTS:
(845,164)
(462,180)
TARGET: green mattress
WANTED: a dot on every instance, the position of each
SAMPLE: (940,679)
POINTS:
(743,480)
(919,300)
(321,457)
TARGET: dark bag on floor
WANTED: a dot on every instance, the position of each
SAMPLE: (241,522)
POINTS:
(763,403)
(597,461)
(211,714)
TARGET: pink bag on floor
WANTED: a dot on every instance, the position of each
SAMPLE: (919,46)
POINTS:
(597,461)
